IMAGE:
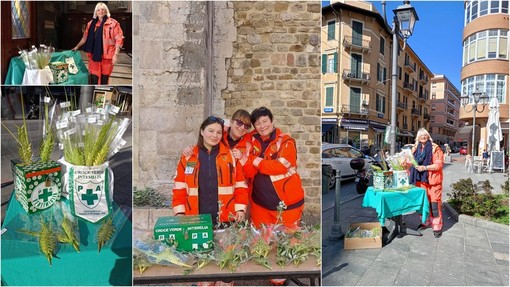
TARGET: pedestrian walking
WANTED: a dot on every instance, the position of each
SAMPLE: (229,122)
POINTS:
(429,175)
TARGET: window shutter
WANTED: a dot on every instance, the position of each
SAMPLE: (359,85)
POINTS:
(335,62)
(324,63)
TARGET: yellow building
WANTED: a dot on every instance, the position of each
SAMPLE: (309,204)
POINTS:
(485,65)
(356,79)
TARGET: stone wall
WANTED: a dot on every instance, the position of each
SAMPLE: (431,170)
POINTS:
(276,64)
(200,58)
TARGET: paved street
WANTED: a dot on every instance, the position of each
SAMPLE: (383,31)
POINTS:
(470,252)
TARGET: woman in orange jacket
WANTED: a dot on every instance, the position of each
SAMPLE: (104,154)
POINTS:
(429,175)
(277,193)
(210,180)
(103,39)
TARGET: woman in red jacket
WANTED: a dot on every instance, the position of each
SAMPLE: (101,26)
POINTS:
(210,180)
(277,194)
(103,39)
(429,175)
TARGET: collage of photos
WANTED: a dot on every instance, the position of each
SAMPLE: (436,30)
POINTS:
(254,143)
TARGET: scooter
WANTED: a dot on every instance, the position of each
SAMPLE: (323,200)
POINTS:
(363,174)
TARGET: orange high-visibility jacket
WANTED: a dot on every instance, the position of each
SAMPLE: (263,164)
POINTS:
(232,188)
(112,37)
(435,176)
(280,163)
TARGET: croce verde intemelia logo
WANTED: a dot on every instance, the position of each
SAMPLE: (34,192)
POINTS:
(44,195)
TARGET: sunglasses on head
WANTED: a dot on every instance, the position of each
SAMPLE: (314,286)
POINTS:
(215,119)
(240,123)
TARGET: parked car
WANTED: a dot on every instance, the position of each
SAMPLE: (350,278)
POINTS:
(455,149)
(339,157)
(463,150)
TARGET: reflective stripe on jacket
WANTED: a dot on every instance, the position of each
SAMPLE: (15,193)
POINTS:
(112,37)
(232,188)
(280,164)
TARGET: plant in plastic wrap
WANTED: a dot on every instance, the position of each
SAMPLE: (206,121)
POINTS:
(232,249)
(157,252)
(291,248)
(35,58)
(90,139)
(108,229)
(401,161)
(261,245)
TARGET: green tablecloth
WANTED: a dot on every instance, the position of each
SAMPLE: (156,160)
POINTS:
(17,69)
(393,203)
(23,264)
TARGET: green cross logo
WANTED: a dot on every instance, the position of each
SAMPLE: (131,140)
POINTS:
(89,196)
(45,195)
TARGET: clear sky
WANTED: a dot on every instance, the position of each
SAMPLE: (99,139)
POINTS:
(437,36)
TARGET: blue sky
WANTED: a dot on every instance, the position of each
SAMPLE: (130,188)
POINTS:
(437,37)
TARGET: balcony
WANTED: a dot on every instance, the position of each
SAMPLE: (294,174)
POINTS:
(415,113)
(356,76)
(409,67)
(404,126)
(402,106)
(355,109)
(408,86)
(423,79)
(426,116)
(357,44)
(423,97)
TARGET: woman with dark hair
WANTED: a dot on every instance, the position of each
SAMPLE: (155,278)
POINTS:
(210,180)
(429,175)
(103,39)
(277,193)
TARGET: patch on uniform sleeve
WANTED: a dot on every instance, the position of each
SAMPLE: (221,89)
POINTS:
(190,167)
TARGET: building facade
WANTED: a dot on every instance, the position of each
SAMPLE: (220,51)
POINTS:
(485,66)
(356,79)
(444,112)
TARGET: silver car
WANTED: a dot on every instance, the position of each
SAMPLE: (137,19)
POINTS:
(339,157)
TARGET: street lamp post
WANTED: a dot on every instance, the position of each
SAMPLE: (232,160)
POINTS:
(403,26)
(477,97)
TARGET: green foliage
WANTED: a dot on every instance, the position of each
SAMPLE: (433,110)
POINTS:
(478,200)
(148,197)
(504,187)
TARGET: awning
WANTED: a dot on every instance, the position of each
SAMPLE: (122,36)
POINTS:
(353,126)
(378,130)
(464,133)
(327,127)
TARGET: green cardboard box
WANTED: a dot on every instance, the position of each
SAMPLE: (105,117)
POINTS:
(37,186)
(186,233)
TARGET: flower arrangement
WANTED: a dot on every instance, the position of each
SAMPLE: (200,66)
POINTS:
(402,160)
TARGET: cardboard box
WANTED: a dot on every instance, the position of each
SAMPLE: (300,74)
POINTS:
(400,178)
(37,186)
(383,180)
(186,233)
(364,242)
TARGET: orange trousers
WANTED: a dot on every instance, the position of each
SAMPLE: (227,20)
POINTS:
(434,194)
(105,67)
(260,215)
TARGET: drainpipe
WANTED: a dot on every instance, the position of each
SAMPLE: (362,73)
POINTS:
(209,75)
(338,79)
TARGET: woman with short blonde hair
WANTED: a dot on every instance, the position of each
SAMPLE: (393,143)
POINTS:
(429,175)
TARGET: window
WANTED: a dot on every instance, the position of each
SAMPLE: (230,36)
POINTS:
(20,19)
(381,46)
(380,103)
(330,63)
(479,8)
(329,96)
(331,30)
(399,73)
(493,85)
(489,44)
